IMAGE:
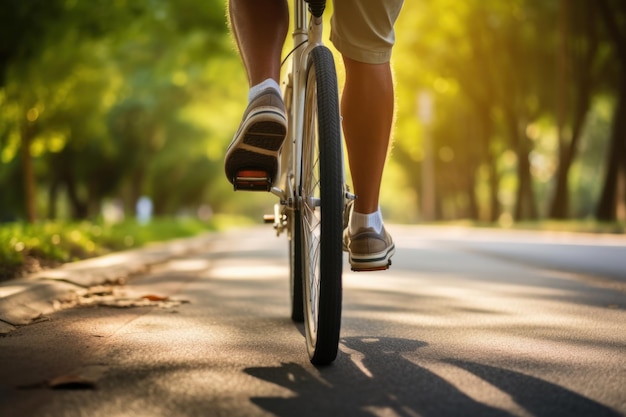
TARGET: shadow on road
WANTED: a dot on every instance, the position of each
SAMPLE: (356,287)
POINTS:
(372,378)
(538,397)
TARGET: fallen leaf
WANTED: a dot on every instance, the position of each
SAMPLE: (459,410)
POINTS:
(71,381)
(153,297)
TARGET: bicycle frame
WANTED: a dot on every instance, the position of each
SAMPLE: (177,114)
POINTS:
(307,34)
(311,185)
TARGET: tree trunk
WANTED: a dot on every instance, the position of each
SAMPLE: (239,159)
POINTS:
(607,206)
(472,208)
(616,161)
(53,194)
(494,188)
(581,97)
(567,151)
(94,203)
(78,207)
(486,132)
(29,173)
(560,202)
(491,161)
(525,204)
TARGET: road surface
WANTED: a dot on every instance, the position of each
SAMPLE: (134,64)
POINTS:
(465,323)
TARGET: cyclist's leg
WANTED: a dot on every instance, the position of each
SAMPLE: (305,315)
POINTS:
(260,28)
(363,32)
(367,109)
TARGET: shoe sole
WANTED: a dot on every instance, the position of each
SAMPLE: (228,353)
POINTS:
(257,144)
(379,261)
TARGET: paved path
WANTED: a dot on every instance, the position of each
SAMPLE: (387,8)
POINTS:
(466,323)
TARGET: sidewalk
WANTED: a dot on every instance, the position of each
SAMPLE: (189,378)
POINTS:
(24,300)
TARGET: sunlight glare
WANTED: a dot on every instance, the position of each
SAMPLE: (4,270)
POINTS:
(189,265)
(251,270)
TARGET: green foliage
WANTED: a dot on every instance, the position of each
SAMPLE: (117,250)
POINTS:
(506,115)
(114,100)
(104,90)
(52,243)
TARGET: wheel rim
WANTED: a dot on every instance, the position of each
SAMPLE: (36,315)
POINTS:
(311,215)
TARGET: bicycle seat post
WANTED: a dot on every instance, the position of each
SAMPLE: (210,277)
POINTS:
(300,22)
(315,25)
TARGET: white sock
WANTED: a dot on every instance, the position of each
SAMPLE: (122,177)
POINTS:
(256,89)
(359,220)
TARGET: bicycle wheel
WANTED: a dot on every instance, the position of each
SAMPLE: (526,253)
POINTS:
(322,208)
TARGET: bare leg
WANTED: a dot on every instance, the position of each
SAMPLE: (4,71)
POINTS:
(260,28)
(367,109)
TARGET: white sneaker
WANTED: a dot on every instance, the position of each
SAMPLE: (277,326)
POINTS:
(256,145)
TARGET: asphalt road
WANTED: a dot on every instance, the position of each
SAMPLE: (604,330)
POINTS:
(465,323)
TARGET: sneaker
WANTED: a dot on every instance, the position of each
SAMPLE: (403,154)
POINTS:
(257,143)
(369,250)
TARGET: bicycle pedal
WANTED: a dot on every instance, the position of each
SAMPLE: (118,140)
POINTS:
(252,180)
(372,269)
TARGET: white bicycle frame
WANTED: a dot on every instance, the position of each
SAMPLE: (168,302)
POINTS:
(306,36)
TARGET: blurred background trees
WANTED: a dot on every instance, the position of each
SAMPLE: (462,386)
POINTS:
(104,102)
(528,122)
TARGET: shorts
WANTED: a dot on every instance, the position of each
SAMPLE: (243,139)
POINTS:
(362,30)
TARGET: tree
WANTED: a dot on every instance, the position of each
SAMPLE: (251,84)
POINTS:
(577,66)
(614,17)
(488,62)
(32,32)
(95,89)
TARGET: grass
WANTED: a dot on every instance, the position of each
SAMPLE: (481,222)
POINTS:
(27,248)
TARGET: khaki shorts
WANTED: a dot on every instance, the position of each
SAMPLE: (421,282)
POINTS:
(362,30)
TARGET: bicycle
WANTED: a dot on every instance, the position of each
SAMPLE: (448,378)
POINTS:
(312,189)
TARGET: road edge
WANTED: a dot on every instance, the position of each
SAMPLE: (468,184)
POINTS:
(25,300)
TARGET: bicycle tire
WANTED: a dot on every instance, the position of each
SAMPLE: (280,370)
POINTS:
(322,209)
